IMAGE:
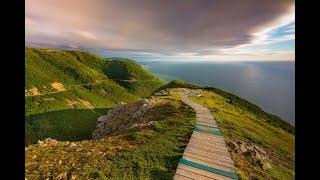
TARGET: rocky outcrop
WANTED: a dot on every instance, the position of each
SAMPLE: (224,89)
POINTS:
(122,117)
(258,155)
(165,92)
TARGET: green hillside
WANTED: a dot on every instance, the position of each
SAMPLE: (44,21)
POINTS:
(237,101)
(67,90)
(126,69)
(243,121)
(149,152)
(153,151)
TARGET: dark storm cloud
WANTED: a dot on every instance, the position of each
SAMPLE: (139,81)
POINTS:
(198,26)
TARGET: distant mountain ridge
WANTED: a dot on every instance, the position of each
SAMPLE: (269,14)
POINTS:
(75,67)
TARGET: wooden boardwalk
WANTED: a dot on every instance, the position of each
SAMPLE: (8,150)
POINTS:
(206,155)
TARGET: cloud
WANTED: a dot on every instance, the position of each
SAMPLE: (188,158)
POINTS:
(86,35)
(164,26)
(29,22)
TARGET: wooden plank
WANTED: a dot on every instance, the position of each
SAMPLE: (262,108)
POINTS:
(215,132)
(209,149)
(207,124)
(219,147)
(212,128)
(204,139)
(180,176)
(221,163)
(204,125)
(208,168)
(204,116)
(206,120)
(207,163)
(211,153)
(208,154)
(202,173)
(209,137)
(192,175)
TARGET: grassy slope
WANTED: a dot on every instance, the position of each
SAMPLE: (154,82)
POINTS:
(238,121)
(67,67)
(126,69)
(50,115)
(153,152)
(150,152)
(237,101)
(142,82)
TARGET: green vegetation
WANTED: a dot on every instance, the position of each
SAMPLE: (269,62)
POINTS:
(179,84)
(150,152)
(242,120)
(239,123)
(45,66)
(239,102)
(86,88)
(141,88)
(126,69)
(70,124)
(66,91)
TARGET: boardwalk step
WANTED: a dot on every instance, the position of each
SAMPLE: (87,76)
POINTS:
(206,156)
(208,168)
(199,124)
(214,132)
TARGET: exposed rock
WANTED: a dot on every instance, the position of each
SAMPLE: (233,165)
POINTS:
(165,92)
(255,152)
(101,119)
(232,144)
(144,124)
(120,117)
(196,92)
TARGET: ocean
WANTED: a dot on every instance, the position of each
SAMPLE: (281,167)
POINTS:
(270,85)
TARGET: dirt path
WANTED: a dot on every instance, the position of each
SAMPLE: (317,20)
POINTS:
(85,84)
(206,155)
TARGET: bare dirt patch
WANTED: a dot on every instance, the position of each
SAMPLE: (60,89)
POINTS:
(57,86)
(49,99)
(72,103)
(87,104)
(32,92)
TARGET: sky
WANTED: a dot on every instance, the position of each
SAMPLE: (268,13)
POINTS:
(195,30)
